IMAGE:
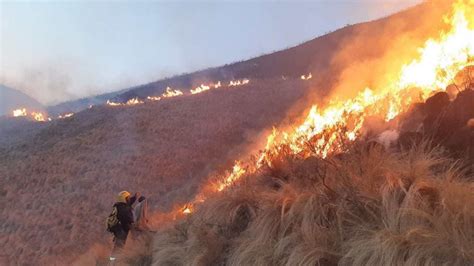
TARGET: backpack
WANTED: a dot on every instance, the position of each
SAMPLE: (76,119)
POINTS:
(112,220)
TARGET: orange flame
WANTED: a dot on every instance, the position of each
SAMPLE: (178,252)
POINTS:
(110,103)
(309,76)
(237,172)
(187,209)
(238,82)
(38,116)
(200,89)
(65,115)
(440,61)
(134,101)
(172,93)
(130,102)
(153,98)
(19,112)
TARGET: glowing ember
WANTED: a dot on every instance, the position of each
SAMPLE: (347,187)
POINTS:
(186,209)
(217,85)
(19,112)
(309,76)
(172,93)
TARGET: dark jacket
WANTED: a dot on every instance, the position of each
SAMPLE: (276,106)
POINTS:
(125,214)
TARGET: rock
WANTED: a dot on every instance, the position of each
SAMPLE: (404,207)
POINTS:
(436,103)
(409,139)
(433,108)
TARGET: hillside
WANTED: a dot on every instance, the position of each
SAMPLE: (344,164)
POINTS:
(59,178)
(51,196)
(407,203)
(11,99)
(75,106)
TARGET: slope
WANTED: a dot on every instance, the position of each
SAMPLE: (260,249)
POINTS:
(11,99)
(59,178)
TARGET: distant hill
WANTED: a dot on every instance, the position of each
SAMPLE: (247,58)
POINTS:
(83,103)
(11,99)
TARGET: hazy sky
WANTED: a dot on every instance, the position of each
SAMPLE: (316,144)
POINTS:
(61,50)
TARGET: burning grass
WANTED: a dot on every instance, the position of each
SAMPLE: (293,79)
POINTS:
(369,206)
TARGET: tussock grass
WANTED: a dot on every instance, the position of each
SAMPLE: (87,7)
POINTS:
(368,206)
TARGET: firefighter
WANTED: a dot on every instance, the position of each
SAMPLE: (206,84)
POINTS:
(120,221)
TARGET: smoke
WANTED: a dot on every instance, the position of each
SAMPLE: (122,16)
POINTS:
(47,84)
(388,137)
(373,56)
(54,81)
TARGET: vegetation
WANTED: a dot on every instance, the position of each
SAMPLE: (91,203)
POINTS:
(369,206)
(58,180)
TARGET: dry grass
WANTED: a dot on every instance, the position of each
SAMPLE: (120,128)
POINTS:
(375,207)
(58,180)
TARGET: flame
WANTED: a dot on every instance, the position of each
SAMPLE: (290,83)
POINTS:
(38,116)
(153,98)
(134,101)
(130,102)
(187,209)
(238,82)
(65,115)
(442,59)
(327,130)
(309,76)
(171,93)
(200,89)
(19,112)
(237,172)
(110,103)
(203,87)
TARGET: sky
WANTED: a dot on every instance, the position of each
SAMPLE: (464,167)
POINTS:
(62,50)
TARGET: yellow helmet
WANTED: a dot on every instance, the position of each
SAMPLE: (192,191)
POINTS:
(122,196)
